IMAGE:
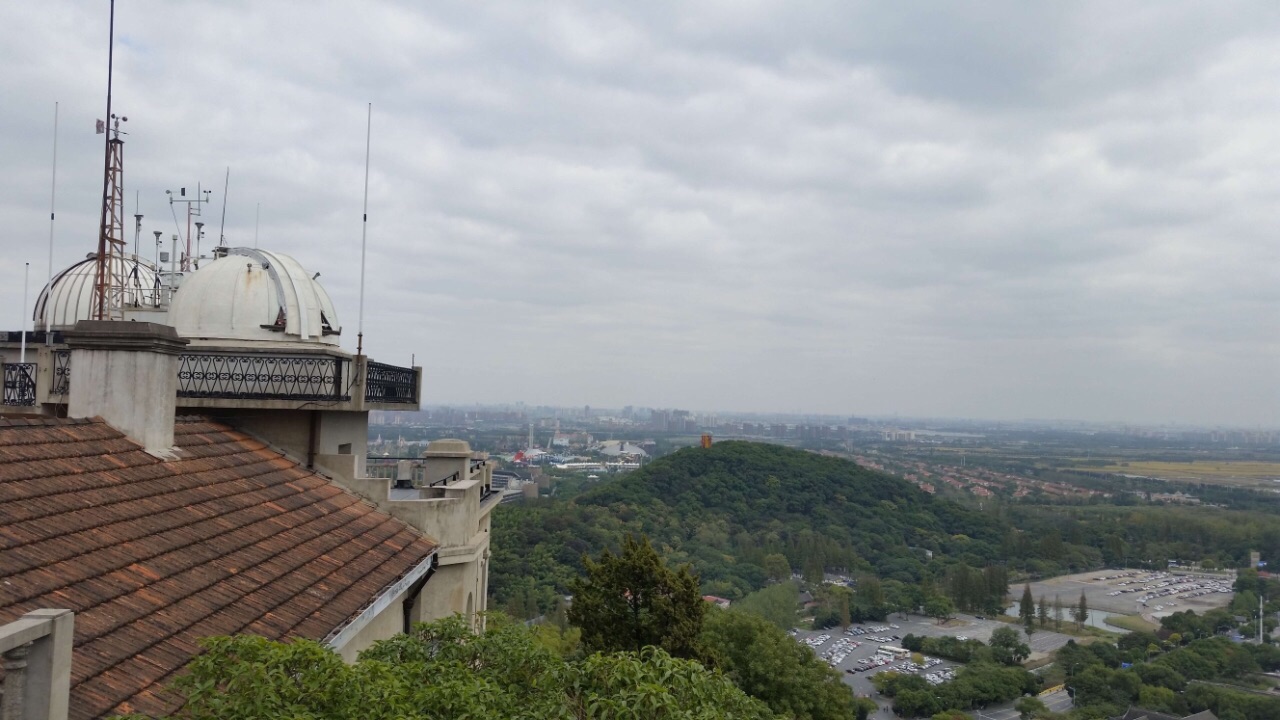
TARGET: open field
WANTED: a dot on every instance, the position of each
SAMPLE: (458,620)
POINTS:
(1098,586)
(1225,472)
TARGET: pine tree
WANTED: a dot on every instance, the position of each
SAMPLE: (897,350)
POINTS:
(631,600)
(1082,611)
(1057,612)
(1027,608)
(1042,612)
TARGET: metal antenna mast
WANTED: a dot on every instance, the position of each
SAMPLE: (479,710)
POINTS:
(110,281)
(53,199)
(137,222)
(222,235)
(193,211)
(364,231)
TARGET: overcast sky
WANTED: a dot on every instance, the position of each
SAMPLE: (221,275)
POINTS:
(1001,210)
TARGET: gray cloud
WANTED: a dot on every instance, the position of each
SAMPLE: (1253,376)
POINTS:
(1009,210)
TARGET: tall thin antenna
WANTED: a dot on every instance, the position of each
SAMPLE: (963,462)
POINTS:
(26,276)
(100,305)
(53,199)
(364,230)
(222,236)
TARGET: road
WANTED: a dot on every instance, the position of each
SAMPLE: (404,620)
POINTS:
(1055,702)
(963,625)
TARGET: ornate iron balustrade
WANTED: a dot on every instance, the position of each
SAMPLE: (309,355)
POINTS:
(20,384)
(390,384)
(262,377)
(61,382)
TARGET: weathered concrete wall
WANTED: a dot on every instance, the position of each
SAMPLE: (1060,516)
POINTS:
(454,589)
(127,374)
(290,430)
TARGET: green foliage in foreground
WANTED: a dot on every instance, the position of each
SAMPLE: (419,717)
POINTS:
(443,671)
(771,666)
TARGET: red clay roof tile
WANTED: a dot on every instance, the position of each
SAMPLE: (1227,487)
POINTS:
(151,555)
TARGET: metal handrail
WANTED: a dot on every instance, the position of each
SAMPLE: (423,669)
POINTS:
(60,381)
(262,376)
(445,481)
(390,384)
(19,385)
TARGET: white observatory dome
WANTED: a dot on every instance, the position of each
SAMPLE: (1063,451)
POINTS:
(248,294)
(69,296)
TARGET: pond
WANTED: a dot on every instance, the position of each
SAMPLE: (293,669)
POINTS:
(1096,618)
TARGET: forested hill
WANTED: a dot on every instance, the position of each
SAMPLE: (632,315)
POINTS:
(726,508)
(769,490)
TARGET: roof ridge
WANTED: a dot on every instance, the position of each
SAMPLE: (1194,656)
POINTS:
(46,421)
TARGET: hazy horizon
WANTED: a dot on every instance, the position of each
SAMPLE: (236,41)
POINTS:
(999,211)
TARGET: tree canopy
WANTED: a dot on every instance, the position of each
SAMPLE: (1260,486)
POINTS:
(633,600)
(444,671)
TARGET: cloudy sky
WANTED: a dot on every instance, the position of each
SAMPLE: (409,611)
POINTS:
(1000,210)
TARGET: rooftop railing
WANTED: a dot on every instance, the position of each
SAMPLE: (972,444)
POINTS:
(220,375)
(390,384)
(61,382)
(263,376)
(19,384)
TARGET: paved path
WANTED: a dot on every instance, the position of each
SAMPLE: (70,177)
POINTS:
(1055,702)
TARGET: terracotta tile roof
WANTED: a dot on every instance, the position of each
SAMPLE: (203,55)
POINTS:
(151,555)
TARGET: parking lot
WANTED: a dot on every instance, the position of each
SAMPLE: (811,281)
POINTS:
(847,652)
(1151,594)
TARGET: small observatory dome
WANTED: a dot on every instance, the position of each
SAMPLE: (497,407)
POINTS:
(69,296)
(249,294)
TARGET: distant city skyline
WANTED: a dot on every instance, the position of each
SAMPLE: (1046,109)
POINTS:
(542,412)
(1000,211)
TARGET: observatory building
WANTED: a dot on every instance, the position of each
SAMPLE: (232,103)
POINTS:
(196,466)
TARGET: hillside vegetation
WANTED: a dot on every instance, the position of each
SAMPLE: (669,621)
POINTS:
(727,510)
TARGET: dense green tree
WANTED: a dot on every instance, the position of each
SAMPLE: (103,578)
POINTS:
(776,603)
(633,600)
(916,703)
(1042,612)
(771,666)
(1082,611)
(1027,707)
(1027,606)
(444,671)
(939,608)
(1009,648)
(777,567)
